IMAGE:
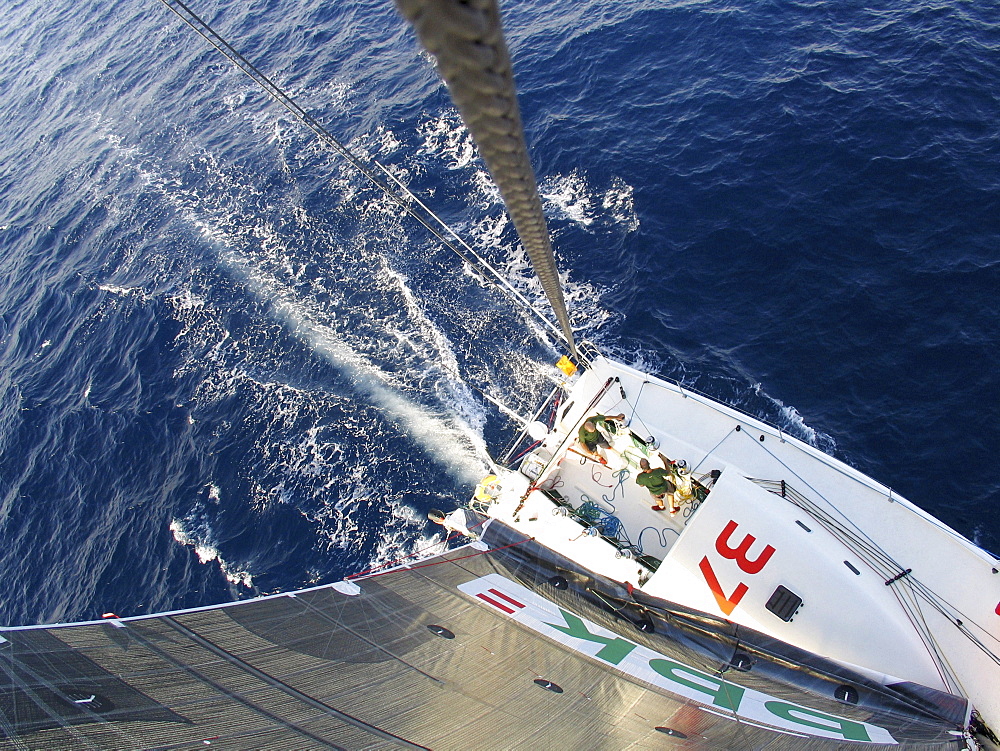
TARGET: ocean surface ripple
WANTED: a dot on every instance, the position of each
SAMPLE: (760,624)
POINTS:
(229,366)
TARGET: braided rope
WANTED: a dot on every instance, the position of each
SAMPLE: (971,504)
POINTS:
(467,41)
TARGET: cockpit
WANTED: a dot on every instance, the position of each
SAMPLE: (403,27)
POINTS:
(601,494)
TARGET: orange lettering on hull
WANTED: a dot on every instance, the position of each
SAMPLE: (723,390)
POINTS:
(739,554)
(726,604)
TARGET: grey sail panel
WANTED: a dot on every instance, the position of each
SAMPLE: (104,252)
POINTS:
(322,669)
(748,658)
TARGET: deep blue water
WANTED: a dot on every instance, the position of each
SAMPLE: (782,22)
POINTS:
(228,367)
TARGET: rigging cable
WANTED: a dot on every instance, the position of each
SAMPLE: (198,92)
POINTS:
(469,256)
(466,39)
(880,561)
(883,564)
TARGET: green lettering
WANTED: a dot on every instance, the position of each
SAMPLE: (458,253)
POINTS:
(614,649)
(850,730)
(723,694)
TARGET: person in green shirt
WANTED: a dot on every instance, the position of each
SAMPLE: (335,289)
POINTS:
(591,438)
(660,484)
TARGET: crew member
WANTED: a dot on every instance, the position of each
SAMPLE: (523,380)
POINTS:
(457,521)
(592,439)
(659,482)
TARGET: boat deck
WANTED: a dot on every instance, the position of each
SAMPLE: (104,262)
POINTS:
(798,545)
(605,495)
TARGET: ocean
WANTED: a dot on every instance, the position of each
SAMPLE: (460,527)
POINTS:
(230,367)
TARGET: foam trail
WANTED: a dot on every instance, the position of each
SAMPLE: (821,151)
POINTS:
(207,552)
(452,443)
(461,452)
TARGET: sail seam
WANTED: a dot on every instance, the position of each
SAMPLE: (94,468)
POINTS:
(290,690)
(220,688)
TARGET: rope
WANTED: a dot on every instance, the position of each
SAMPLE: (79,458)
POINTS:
(407,203)
(596,475)
(609,525)
(553,482)
(622,475)
(397,561)
(466,39)
(661,535)
(461,557)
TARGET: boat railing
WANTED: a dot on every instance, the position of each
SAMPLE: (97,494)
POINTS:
(588,351)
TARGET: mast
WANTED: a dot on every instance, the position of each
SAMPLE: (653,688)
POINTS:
(466,39)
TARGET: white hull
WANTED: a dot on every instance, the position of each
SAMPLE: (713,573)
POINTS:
(833,540)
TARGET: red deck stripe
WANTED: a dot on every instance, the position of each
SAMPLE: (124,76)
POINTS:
(509,599)
(494,603)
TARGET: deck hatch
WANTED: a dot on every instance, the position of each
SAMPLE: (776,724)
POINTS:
(784,603)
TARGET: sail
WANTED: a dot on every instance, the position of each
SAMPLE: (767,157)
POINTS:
(467,40)
(500,644)
(505,646)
